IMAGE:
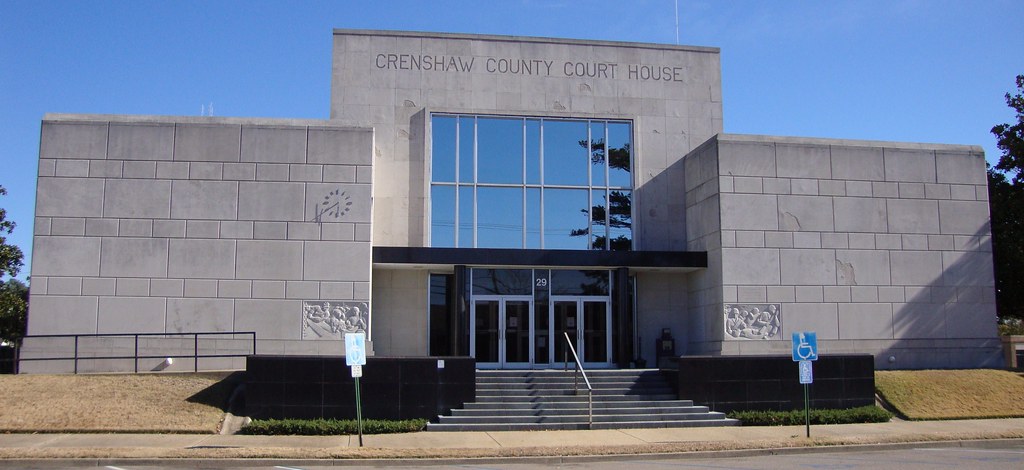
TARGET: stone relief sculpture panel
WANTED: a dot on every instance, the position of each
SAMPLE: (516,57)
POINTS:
(749,321)
(332,319)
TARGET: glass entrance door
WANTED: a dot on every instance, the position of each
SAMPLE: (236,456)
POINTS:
(586,321)
(484,345)
(565,318)
(503,331)
(518,333)
(596,342)
(519,317)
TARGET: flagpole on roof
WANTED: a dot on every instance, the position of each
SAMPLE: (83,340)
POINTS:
(677,22)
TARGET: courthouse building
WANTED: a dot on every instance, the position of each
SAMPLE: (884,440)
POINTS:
(489,196)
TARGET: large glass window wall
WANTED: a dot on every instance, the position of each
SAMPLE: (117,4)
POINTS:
(511,182)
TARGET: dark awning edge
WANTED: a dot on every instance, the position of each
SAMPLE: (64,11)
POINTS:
(671,260)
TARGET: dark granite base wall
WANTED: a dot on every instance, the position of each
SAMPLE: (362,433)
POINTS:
(322,387)
(728,383)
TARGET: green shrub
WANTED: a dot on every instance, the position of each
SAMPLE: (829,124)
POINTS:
(864,414)
(330,427)
(1011,326)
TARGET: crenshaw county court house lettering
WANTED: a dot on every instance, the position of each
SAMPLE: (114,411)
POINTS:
(609,70)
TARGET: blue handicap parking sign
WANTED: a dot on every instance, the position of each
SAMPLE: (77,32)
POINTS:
(805,346)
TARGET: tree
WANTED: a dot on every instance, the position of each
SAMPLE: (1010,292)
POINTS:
(13,310)
(1006,201)
(10,255)
(1010,138)
(13,293)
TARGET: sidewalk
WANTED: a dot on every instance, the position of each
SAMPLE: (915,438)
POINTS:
(129,448)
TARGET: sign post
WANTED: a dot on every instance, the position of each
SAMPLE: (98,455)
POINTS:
(355,357)
(805,350)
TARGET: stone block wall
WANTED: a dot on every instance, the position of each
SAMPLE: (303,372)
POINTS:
(182,224)
(878,247)
(703,233)
(401,319)
(661,303)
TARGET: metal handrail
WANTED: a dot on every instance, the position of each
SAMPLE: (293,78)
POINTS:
(575,381)
(195,350)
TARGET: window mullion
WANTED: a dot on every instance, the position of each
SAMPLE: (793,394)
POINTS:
(540,143)
(476,173)
(458,125)
(590,190)
(607,193)
(523,190)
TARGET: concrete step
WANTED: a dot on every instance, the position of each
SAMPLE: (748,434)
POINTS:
(582,390)
(591,374)
(567,398)
(527,392)
(598,404)
(563,377)
(570,370)
(567,375)
(568,382)
(555,399)
(579,426)
(579,418)
(659,412)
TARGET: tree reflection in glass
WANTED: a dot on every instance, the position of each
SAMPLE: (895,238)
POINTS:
(572,282)
(617,225)
(619,222)
(620,155)
(597,152)
(502,282)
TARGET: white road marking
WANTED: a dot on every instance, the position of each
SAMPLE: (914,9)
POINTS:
(978,450)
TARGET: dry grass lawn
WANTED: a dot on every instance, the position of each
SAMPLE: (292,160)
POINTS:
(192,403)
(953,394)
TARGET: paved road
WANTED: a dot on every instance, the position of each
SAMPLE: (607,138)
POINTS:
(995,455)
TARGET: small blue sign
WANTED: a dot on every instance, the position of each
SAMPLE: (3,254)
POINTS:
(355,349)
(805,346)
(806,372)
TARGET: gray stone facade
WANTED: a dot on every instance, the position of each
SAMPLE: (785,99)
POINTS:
(177,225)
(183,225)
(879,247)
(379,79)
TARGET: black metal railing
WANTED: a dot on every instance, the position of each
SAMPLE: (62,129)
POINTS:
(575,381)
(195,356)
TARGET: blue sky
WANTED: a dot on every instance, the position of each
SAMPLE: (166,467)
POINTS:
(902,70)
